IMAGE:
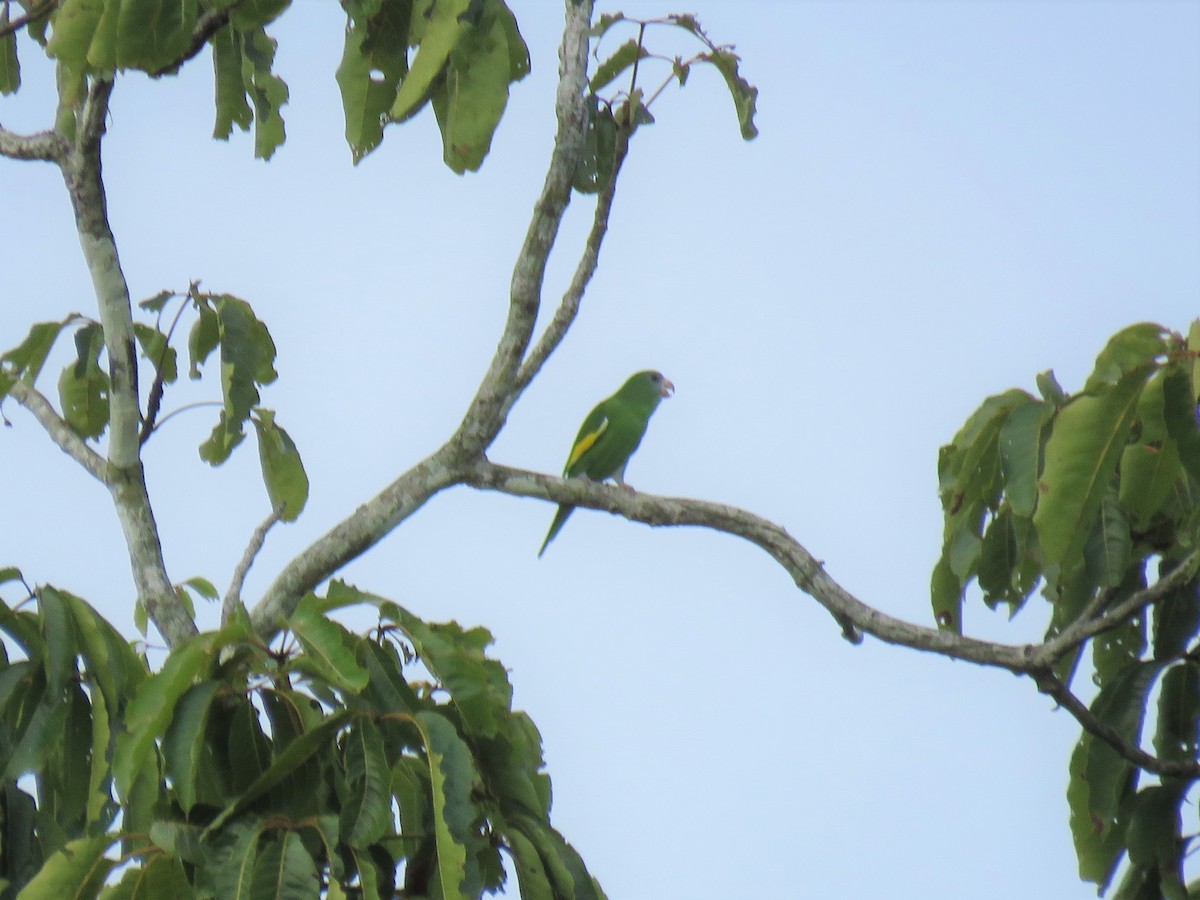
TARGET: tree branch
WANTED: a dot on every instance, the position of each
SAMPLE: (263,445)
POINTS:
(46,146)
(60,432)
(234,595)
(568,308)
(35,12)
(81,170)
(1049,684)
(498,390)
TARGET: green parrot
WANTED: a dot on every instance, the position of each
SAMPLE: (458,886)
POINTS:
(609,435)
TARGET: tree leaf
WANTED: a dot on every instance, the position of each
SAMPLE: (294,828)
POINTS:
(1109,546)
(1153,836)
(267,91)
(284,869)
(231,109)
(83,386)
(1179,416)
(75,23)
(472,93)
(328,648)
(374,59)
(156,350)
(1101,780)
(366,813)
(1021,453)
(452,777)
(446,23)
(1087,438)
(745,95)
(152,708)
(618,61)
(26,359)
(1177,737)
(152,34)
(76,870)
(10,67)
(184,745)
(282,469)
(1130,350)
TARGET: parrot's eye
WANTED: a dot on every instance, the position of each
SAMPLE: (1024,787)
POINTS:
(656,377)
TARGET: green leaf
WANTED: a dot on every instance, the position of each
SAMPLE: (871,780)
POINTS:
(1109,547)
(620,60)
(1101,780)
(366,813)
(1148,475)
(232,107)
(446,23)
(531,871)
(328,647)
(10,67)
(152,34)
(159,878)
(563,866)
(26,359)
(59,637)
(1050,389)
(1176,620)
(152,708)
(283,472)
(1179,713)
(374,60)
(83,386)
(1153,836)
(1020,454)
(452,777)
(204,588)
(1179,415)
(77,870)
(598,160)
(184,745)
(248,15)
(745,95)
(472,93)
(155,349)
(1085,445)
(296,754)
(267,91)
(284,869)
(74,28)
(228,870)
(1127,352)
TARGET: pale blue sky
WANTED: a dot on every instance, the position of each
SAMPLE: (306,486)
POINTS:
(945,199)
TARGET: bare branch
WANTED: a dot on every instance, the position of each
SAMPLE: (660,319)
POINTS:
(351,537)
(36,12)
(234,595)
(46,146)
(60,432)
(498,390)
(568,308)
(1048,684)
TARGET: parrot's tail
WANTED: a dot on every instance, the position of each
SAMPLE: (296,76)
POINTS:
(560,519)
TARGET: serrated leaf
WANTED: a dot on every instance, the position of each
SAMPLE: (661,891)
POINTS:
(1086,441)
(443,29)
(282,470)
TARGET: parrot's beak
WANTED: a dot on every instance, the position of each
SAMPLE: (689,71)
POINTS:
(667,388)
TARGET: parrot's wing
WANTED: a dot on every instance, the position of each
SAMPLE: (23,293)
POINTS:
(593,427)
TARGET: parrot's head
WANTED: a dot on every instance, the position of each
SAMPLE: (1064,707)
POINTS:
(645,389)
(664,385)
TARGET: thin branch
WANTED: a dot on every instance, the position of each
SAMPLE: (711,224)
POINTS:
(498,390)
(1089,625)
(1049,684)
(44,146)
(568,308)
(233,596)
(36,12)
(206,26)
(60,432)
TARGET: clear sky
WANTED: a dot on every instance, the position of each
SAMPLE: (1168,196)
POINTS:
(945,199)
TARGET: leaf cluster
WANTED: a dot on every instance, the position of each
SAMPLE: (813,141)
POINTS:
(1089,497)
(340,765)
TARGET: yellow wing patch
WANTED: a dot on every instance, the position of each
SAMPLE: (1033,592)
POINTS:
(584,443)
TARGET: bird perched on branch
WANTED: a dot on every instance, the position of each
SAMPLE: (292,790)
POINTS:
(609,435)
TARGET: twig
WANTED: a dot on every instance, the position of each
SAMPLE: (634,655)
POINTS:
(1050,685)
(233,596)
(568,308)
(206,26)
(35,13)
(60,432)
